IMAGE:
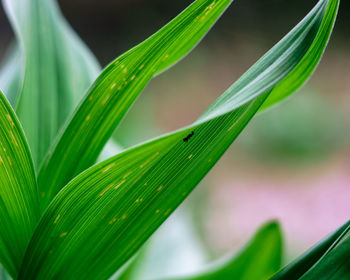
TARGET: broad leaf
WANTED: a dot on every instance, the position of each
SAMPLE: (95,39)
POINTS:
(57,70)
(99,219)
(19,204)
(328,257)
(116,89)
(260,259)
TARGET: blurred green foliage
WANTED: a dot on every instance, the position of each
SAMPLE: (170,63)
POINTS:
(305,129)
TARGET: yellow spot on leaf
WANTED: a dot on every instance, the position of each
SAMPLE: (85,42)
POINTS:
(112,221)
(190,156)
(113,86)
(133,77)
(208,9)
(106,99)
(121,183)
(14,139)
(88,117)
(1,161)
(139,200)
(232,126)
(150,159)
(167,212)
(142,66)
(108,167)
(106,189)
(157,211)
(124,217)
(10,120)
(127,174)
(63,234)
(58,216)
(160,188)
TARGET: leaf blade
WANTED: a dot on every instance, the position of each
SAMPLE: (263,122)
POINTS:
(124,199)
(311,261)
(19,204)
(57,68)
(258,260)
(117,88)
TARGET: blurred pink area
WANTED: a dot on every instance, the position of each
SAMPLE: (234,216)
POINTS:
(309,204)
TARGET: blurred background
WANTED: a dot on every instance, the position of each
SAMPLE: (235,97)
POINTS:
(291,163)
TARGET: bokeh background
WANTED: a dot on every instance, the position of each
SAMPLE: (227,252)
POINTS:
(291,163)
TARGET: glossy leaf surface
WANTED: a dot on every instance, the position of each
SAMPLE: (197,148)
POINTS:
(19,204)
(57,69)
(117,88)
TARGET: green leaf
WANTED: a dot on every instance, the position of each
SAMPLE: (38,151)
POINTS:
(117,88)
(58,68)
(335,264)
(103,216)
(261,258)
(322,257)
(19,204)
(303,71)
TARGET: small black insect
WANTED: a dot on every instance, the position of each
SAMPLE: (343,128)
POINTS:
(188,137)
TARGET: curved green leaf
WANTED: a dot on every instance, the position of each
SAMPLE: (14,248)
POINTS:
(318,257)
(115,91)
(306,66)
(58,68)
(261,258)
(99,220)
(19,204)
(335,264)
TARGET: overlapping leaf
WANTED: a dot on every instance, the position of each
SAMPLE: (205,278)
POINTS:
(335,264)
(117,88)
(98,221)
(261,258)
(329,259)
(19,204)
(57,70)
